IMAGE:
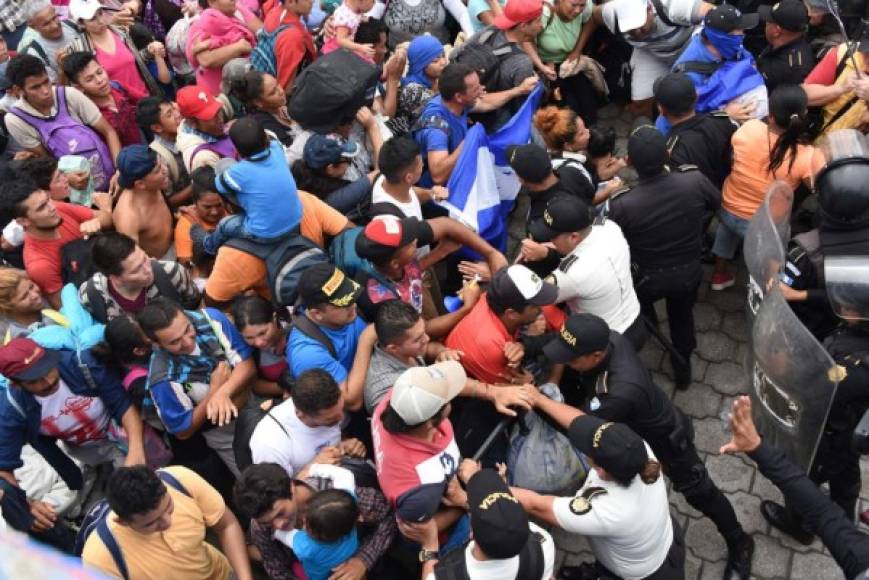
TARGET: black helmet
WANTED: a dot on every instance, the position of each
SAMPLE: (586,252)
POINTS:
(841,184)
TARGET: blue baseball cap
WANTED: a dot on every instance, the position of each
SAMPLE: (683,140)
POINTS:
(135,162)
(322,150)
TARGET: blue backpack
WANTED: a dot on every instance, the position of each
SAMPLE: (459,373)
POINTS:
(342,253)
(262,57)
(96,520)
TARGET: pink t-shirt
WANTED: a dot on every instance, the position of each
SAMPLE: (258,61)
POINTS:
(121,67)
(343,17)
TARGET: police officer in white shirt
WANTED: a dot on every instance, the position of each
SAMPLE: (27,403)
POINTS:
(595,275)
(622,507)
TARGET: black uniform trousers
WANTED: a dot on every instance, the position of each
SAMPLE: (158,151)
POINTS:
(678,286)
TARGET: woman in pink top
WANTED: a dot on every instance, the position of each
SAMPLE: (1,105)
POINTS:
(224,31)
(114,51)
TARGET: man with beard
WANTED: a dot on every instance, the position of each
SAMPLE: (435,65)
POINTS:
(48,226)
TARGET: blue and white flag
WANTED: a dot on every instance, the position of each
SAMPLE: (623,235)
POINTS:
(483,187)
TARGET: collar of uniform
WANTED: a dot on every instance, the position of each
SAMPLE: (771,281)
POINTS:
(687,124)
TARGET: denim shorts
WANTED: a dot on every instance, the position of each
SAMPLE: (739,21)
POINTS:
(731,230)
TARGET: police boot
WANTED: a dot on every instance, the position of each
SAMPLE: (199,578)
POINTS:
(739,553)
(781,519)
(681,372)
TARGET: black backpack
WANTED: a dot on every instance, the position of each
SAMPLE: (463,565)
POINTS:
(479,54)
(97,302)
(76,263)
(452,566)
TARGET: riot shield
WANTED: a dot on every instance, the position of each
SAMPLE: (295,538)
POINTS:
(847,282)
(792,378)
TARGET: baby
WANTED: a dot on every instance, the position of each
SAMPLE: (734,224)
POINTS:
(77,170)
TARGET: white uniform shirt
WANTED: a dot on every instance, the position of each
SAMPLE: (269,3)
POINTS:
(629,528)
(599,279)
(294,446)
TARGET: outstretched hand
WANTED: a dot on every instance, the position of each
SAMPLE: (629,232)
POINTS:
(745,438)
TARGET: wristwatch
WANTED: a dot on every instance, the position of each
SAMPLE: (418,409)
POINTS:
(427,555)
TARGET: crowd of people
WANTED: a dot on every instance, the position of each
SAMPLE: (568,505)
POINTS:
(235,295)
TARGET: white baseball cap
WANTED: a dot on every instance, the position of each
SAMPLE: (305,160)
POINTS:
(420,392)
(630,14)
(83,9)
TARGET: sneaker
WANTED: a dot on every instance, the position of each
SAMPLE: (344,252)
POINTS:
(722,280)
(739,555)
(781,519)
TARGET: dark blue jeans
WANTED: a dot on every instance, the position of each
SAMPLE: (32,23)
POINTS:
(16,512)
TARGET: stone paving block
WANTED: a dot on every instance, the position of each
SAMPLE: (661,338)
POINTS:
(734,326)
(706,317)
(814,566)
(709,435)
(698,401)
(713,570)
(715,347)
(692,567)
(771,559)
(651,354)
(729,472)
(730,300)
(791,544)
(682,507)
(747,509)
(664,381)
(728,378)
(764,488)
(703,540)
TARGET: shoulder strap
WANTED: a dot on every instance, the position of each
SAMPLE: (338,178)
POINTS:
(551,8)
(452,566)
(531,558)
(697,66)
(112,546)
(279,424)
(842,110)
(40,51)
(172,481)
(168,157)
(15,404)
(85,371)
(661,12)
(306,326)
(843,62)
(96,301)
(164,283)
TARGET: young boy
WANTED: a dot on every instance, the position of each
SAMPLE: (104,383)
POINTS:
(159,120)
(401,166)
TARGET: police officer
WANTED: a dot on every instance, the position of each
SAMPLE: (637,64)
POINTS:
(622,507)
(624,392)
(695,139)
(844,229)
(661,217)
(595,274)
(788,59)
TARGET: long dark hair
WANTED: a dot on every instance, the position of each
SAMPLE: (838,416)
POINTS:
(315,181)
(788,107)
(252,310)
(248,88)
(123,336)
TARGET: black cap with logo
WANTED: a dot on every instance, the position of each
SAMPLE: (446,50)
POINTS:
(580,334)
(563,214)
(613,446)
(791,15)
(728,18)
(326,284)
(530,162)
(499,523)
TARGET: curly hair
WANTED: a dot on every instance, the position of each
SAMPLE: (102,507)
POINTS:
(557,126)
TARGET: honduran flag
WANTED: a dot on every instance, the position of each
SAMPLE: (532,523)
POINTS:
(482,186)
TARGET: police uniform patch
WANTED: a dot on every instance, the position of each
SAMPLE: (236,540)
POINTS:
(594,405)
(579,505)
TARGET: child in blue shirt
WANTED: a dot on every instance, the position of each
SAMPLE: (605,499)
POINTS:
(261,185)
(329,537)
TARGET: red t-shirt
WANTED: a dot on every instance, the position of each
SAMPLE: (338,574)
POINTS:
(42,257)
(824,72)
(481,336)
(123,116)
(294,44)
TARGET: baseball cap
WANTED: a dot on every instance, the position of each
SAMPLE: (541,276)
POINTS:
(195,102)
(321,150)
(326,284)
(630,14)
(675,92)
(613,446)
(580,334)
(728,18)
(789,14)
(647,150)
(516,287)
(135,162)
(563,214)
(499,523)
(386,234)
(23,360)
(518,12)
(420,392)
(83,9)
(530,162)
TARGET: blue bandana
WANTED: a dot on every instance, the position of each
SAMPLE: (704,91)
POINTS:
(728,45)
(423,50)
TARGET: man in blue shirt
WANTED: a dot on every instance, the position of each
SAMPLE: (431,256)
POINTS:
(200,371)
(328,334)
(261,184)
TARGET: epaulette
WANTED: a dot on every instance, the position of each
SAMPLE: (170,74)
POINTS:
(719,114)
(581,504)
(620,191)
(567,262)
(671,143)
(686,167)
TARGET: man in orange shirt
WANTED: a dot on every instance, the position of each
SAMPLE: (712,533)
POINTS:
(48,226)
(294,45)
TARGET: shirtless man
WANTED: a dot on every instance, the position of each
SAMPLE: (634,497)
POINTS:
(141,211)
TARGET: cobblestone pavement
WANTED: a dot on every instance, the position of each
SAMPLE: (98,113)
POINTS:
(718,376)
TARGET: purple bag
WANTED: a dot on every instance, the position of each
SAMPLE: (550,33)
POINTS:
(222,147)
(63,135)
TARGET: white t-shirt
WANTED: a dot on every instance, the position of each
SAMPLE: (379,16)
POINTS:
(411,208)
(508,568)
(293,446)
(599,280)
(664,40)
(73,418)
(629,528)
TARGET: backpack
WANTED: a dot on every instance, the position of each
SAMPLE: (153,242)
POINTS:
(222,148)
(166,289)
(452,565)
(342,253)
(96,520)
(263,57)
(76,263)
(285,261)
(479,54)
(63,135)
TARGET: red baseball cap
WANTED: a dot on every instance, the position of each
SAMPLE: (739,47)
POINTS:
(23,360)
(385,235)
(518,12)
(197,103)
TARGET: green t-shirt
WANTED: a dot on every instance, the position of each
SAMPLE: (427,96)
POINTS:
(558,37)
